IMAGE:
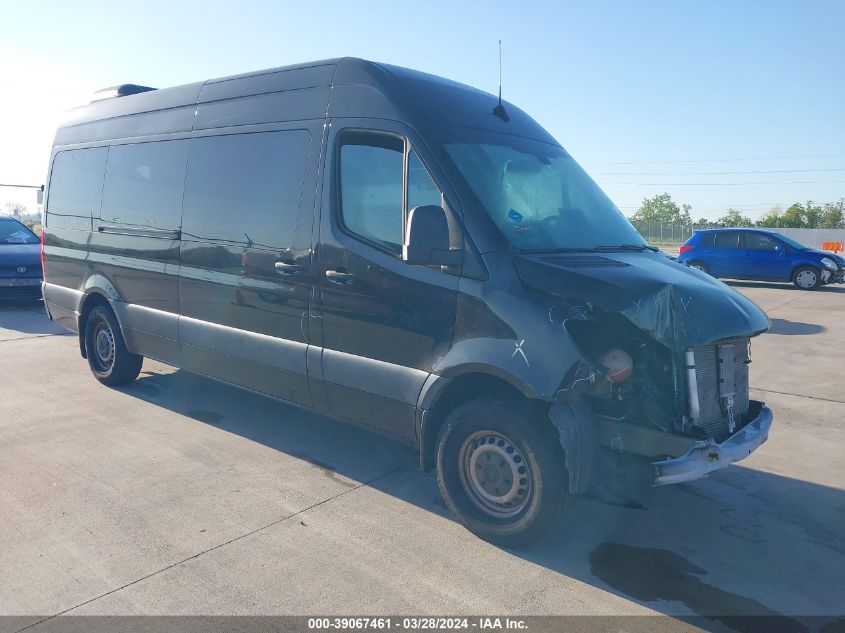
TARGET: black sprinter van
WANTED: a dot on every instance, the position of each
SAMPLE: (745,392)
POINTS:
(405,253)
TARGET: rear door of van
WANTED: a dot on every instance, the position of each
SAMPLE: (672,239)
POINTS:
(74,193)
(245,256)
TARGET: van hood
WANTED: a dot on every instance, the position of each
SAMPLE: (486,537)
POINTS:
(676,305)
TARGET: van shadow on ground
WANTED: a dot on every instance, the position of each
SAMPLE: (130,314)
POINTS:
(742,543)
(832,288)
(786,327)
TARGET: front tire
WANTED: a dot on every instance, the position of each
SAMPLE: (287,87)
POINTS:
(501,472)
(807,278)
(110,362)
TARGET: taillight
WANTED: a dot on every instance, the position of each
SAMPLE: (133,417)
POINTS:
(43,268)
(685,247)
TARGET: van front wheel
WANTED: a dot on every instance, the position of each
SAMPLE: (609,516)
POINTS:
(110,362)
(500,472)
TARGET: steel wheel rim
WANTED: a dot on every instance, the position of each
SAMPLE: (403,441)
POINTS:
(698,267)
(494,474)
(104,347)
(806,279)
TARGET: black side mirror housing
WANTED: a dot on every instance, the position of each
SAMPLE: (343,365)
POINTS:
(427,238)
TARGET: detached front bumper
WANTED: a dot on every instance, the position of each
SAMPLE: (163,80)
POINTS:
(706,456)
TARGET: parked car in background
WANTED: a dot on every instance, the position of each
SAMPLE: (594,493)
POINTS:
(20,261)
(761,255)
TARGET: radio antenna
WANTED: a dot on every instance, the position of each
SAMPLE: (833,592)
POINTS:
(499,110)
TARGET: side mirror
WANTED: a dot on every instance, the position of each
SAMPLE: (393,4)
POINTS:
(39,195)
(427,238)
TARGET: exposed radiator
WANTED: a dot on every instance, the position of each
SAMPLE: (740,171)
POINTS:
(713,364)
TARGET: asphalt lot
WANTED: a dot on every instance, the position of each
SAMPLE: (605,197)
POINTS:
(178,495)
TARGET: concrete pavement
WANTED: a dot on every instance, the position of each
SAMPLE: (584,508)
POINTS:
(179,495)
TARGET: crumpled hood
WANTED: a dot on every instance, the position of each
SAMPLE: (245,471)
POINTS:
(20,254)
(678,306)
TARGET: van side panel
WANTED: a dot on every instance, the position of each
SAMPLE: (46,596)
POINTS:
(245,319)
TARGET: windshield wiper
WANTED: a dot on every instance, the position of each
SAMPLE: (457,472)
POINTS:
(626,247)
(546,251)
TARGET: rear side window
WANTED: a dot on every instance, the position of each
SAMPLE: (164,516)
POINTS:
(76,182)
(371,175)
(143,185)
(245,188)
(13,232)
(726,239)
(707,240)
(759,242)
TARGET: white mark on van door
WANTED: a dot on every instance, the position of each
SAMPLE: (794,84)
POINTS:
(521,352)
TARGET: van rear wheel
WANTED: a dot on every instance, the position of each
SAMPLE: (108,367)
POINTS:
(110,362)
(501,473)
(700,266)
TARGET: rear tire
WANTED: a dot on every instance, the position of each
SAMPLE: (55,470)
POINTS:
(807,278)
(500,472)
(699,266)
(110,362)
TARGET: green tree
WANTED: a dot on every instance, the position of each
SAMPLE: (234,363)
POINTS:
(734,218)
(812,215)
(832,216)
(794,217)
(772,219)
(661,208)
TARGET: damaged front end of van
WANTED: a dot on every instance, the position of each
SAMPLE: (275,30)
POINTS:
(663,372)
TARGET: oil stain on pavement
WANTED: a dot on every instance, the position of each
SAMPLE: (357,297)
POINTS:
(650,574)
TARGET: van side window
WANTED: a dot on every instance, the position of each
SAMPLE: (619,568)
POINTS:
(143,184)
(76,182)
(245,188)
(371,174)
(708,240)
(726,239)
(421,188)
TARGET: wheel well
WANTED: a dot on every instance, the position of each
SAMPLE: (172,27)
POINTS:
(804,265)
(88,304)
(459,390)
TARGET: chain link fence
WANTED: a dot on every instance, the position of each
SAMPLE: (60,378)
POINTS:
(664,234)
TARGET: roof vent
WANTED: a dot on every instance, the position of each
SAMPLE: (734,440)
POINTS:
(123,90)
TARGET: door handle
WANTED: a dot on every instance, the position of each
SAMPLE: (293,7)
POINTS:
(287,268)
(340,276)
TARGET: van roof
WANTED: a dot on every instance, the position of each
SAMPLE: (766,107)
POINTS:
(342,87)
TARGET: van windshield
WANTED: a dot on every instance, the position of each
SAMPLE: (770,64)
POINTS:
(537,194)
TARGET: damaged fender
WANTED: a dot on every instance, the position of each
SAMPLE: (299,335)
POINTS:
(578,438)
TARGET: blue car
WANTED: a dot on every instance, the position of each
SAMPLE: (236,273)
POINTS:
(761,255)
(20,262)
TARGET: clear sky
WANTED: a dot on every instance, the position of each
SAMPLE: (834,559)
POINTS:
(643,94)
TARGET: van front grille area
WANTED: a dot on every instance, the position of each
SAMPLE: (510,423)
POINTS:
(722,376)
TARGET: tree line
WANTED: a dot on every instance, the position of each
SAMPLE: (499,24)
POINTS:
(828,215)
